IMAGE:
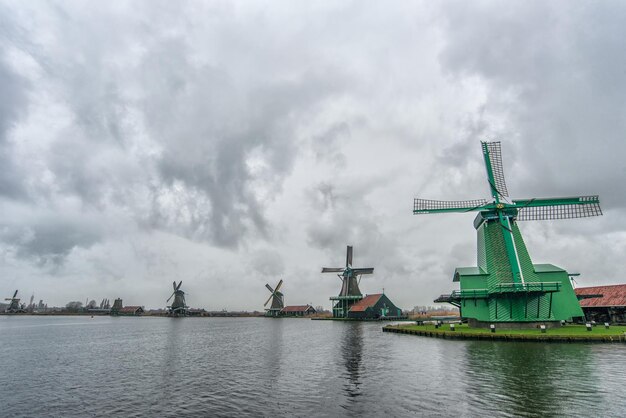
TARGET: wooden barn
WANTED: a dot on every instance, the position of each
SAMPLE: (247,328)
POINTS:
(297,310)
(603,303)
(377,306)
(131,311)
(196,312)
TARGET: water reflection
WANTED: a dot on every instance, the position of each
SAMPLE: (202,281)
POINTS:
(527,379)
(171,358)
(273,354)
(352,353)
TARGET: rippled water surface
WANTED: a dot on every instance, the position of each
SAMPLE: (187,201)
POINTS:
(81,366)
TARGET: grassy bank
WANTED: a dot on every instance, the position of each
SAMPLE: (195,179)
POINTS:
(568,333)
(391,319)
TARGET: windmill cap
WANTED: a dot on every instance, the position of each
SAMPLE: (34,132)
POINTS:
(492,215)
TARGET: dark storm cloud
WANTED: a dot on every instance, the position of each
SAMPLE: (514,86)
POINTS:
(327,144)
(12,107)
(48,242)
(207,122)
(561,78)
(225,136)
(213,120)
(344,216)
(267,263)
(338,222)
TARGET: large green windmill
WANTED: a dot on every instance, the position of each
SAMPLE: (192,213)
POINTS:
(506,286)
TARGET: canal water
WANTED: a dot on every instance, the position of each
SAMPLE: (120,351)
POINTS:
(166,367)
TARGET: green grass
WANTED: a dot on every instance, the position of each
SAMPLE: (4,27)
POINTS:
(565,331)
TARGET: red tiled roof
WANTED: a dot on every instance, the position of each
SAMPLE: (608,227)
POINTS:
(296,308)
(613,295)
(366,302)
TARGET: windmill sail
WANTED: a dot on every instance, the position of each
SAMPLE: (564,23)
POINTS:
(423,206)
(493,160)
(558,208)
(349,256)
(332,269)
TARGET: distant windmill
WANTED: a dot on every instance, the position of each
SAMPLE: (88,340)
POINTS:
(277,298)
(178,307)
(14,304)
(350,279)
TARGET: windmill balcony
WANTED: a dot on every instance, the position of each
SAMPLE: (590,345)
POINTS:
(533,287)
(470,294)
(504,288)
(354,297)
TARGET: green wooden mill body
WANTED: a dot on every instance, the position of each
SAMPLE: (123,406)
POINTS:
(505,286)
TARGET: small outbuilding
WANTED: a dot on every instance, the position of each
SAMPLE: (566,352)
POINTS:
(131,311)
(377,306)
(603,303)
(297,310)
(196,312)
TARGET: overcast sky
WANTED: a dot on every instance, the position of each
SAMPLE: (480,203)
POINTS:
(232,144)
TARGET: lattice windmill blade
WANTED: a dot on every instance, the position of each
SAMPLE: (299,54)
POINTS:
(14,294)
(178,287)
(359,271)
(349,256)
(332,269)
(269,287)
(495,172)
(268,299)
(168,299)
(557,208)
(424,206)
(280,283)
